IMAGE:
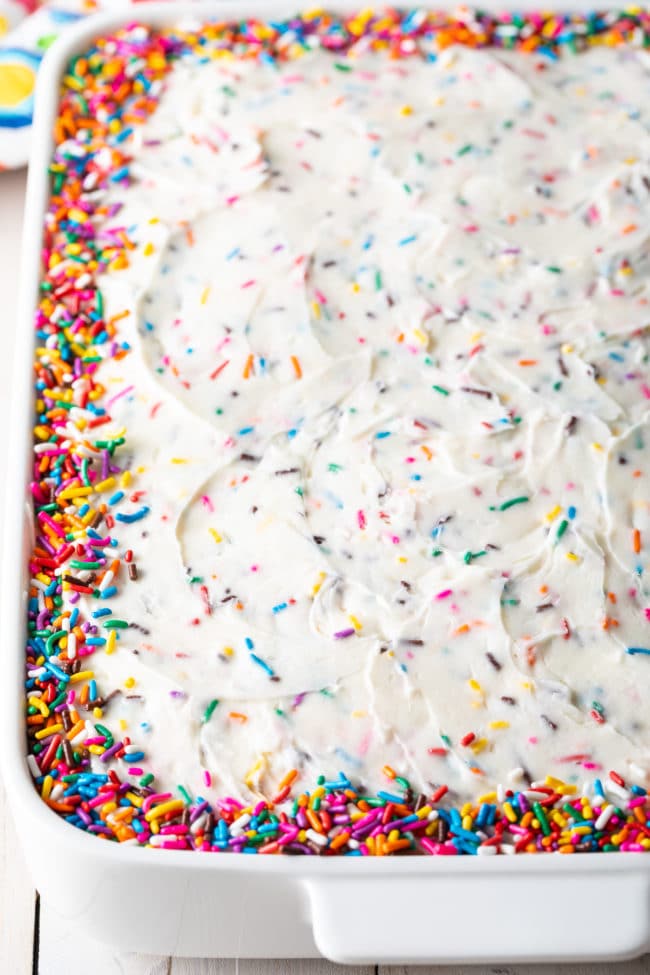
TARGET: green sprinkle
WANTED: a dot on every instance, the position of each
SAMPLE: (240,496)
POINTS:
(543,821)
(185,794)
(342,67)
(554,269)
(465,149)
(115,625)
(564,524)
(209,711)
(145,780)
(441,390)
(512,502)
(378,281)
(76,564)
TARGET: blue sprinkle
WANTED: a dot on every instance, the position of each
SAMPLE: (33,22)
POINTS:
(136,516)
(249,643)
(633,650)
(280,607)
(368,242)
(617,357)
(571,512)
(104,611)
(390,797)
(133,756)
(245,430)
(407,240)
(262,663)
(115,498)
(108,592)
(382,434)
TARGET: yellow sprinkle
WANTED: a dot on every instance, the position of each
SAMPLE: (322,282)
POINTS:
(465,809)
(43,578)
(488,797)
(402,559)
(148,249)
(228,651)
(423,812)
(356,287)
(47,732)
(174,805)
(215,534)
(527,686)
(420,336)
(498,725)
(406,110)
(567,348)
(474,684)
(509,812)
(123,724)
(129,682)
(154,220)
(478,745)
(573,557)
(179,460)
(81,675)
(467,822)
(134,799)
(125,479)
(315,307)
(36,702)
(355,622)
(48,782)
(595,445)
(98,713)
(111,641)
(104,485)
(553,513)
(96,749)
(359,714)
(631,160)
(205,295)
(317,585)
(76,492)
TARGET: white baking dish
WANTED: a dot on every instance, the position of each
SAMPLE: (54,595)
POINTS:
(409,910)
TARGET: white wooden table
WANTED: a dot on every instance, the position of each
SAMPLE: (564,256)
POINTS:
(33,941)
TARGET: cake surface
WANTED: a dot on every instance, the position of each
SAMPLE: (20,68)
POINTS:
(379,346)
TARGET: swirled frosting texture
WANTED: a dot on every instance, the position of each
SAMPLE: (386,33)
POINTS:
(387,401)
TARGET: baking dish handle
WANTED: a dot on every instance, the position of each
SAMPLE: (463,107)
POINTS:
(456,918)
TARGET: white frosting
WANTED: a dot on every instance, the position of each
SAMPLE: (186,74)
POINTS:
(455,253)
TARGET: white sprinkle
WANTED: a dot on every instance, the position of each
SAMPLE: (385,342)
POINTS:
(315,837)
(604,817)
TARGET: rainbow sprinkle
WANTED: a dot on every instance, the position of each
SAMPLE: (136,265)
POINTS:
(78,480)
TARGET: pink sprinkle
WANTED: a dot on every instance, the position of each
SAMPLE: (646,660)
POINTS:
(320,296)
(647,613)
(248,284)
(361,518)
(444,593)
(205,500)
(471,228)
(207,778)
(645,390)
(122,392)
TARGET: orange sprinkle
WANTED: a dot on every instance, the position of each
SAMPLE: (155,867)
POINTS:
(296,367)
(528,362)
(636,540)
(238,716)
(629,229)
(428,453)
(289,778)
(248,368)
(389,772)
